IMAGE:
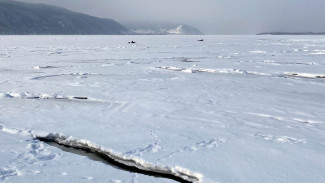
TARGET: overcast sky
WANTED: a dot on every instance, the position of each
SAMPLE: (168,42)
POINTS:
(210,16)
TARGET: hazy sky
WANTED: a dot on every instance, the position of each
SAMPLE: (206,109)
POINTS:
(210,16)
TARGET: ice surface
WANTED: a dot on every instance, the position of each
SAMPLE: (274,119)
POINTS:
(131,161)
(232,108)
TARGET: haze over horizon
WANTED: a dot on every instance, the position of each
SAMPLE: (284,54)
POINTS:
(210,16)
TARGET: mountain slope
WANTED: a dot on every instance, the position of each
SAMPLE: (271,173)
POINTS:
(158,28)
(185,30)
(26,18)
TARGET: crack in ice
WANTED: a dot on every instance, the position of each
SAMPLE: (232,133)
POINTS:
(290,75)
(27,95)
(129,163)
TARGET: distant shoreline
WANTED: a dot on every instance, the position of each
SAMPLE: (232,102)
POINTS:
(291,33)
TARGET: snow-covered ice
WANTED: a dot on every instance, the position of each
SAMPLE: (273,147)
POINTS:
(228,109)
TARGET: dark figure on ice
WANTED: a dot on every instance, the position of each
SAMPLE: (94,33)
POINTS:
(132,42)
(200,40)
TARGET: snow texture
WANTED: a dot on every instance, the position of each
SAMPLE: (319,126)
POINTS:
(236,109)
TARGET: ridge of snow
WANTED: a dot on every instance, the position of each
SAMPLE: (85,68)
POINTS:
(131,161)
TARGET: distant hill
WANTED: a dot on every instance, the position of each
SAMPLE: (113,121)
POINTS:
(162,29)
(291,33)
(185,30)
(26,18)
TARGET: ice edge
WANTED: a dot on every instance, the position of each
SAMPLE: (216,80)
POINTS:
(130,161)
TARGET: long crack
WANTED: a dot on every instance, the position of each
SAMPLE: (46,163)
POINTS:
(131,164)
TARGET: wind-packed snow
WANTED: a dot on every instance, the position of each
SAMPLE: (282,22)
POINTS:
(230,108)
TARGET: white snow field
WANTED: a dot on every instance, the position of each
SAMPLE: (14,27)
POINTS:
(229,109)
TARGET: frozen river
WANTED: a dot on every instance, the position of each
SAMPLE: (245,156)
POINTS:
(230,109)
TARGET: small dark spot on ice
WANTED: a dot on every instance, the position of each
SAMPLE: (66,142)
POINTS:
(320,76)
(187,60)
(81,98)
(44,77)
